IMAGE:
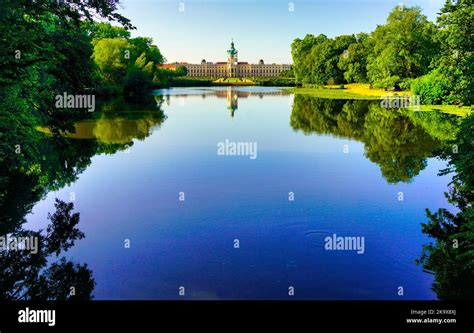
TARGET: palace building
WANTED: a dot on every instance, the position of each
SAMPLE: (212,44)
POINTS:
(231,68)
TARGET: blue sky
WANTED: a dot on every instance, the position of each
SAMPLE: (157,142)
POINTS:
(261,29)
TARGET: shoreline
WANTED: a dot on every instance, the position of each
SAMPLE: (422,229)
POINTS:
(363,92)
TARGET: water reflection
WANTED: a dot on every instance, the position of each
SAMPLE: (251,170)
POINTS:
(450,258)
(231,94)
(45,163)
(118,122)
(399,141)
(37,272)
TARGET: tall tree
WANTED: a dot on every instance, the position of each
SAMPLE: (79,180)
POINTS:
(300,51)
(353,61)
(113,57)
(403,48)
(456,36)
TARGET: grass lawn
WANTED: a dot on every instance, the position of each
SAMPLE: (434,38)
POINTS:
(350,91)
(329,93)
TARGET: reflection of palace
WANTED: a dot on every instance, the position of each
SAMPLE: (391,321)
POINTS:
(231,68)
(232,96)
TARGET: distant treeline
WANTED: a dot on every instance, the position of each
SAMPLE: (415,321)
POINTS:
(280,81)
(435,61)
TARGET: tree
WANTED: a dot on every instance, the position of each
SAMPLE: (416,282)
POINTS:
(300,51)
(112,56)
(456,36)
(315,59)
(353,61)
(45,53)
(403,48)
(101,30)
(433,88)
(145,44)
(25,24)
(181,71)
(139,77)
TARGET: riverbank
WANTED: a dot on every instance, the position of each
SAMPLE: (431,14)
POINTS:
(364,92)
(347,91)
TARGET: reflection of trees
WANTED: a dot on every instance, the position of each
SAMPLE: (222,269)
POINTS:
(33,164)
(44,164)
(29,276)
(392,139)
(122,130)
(398,146)
(451,257)
(119,122)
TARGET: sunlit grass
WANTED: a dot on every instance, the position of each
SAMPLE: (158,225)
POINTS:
(350,91)
(330,93)
(364,89)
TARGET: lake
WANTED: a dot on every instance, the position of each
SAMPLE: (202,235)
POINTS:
(167,214)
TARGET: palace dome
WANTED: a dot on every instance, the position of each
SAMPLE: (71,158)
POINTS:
(232,50)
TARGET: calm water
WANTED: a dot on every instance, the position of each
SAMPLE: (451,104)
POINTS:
(347,164)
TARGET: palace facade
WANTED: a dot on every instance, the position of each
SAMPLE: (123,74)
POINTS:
(230,68)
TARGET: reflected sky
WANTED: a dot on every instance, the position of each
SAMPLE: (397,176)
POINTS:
(134,195)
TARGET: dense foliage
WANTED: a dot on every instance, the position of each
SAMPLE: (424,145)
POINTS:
(47,49)
(408,51)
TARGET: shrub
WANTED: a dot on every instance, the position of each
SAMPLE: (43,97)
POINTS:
(387,83)
(433,88)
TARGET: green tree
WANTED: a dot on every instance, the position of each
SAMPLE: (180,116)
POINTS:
(315,59)
(181,71)
(101,30)
(139,77)
(353,61)
(145,44)
(300,51)
(456,36)
(45,53)
(113,56)
(403,48)
(324,58)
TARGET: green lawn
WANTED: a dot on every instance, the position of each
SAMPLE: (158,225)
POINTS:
(329,93)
